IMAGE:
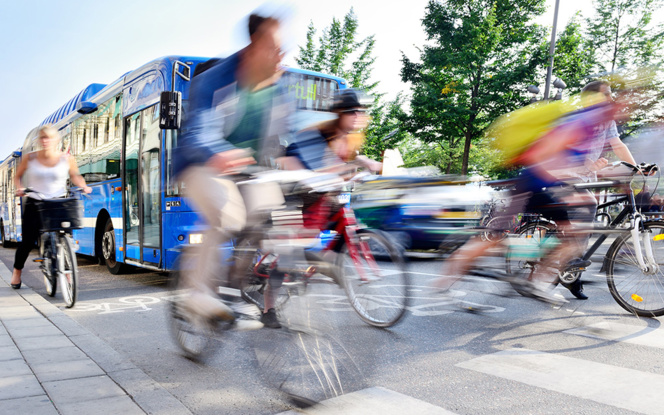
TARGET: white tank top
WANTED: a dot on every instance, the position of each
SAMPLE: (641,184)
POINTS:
(48,182)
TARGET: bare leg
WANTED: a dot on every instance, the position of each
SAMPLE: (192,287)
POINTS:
(458,264)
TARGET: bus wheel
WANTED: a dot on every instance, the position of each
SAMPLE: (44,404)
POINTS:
(108,249)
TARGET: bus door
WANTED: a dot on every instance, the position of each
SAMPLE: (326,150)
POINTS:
(142,187)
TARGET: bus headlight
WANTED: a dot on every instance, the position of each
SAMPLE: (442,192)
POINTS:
(195,238)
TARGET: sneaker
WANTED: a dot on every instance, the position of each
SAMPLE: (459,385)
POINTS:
(207,306)
(542,291)
(247,316)
(270,320)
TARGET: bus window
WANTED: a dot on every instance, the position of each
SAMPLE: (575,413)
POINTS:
(132,220)
(151,190)
(173,187)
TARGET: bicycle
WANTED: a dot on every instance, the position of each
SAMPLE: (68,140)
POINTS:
(640,295)
(369,266)
(57,255)
(300,359)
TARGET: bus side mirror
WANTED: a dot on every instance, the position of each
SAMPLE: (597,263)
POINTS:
(170,110)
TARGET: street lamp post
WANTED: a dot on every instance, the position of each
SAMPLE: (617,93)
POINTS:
(552,50)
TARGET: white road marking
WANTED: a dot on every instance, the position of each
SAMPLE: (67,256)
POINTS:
(374,400)
(610,385)
(644,336)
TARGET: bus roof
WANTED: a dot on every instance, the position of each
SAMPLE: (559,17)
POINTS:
(164,63)
(341,81)
(85,95)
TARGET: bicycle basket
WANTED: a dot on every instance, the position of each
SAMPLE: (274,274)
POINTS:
(60,214)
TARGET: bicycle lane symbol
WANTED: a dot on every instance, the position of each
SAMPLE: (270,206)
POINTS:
(132,303)
(421,305)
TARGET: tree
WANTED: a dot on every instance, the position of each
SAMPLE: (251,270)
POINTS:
(338,52)
(573,60)
(622,35)
(481,56)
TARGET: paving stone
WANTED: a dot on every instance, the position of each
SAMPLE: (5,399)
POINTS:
(9,353)
(43,342)
(47,372)
(19,313)
(6,340)
(19,387)
(34,405)
(99,351)
(80,390)
(149,395)
(38,331)
(116,405)
(39,321)
(62,354)
(68,326)
(7,300)
(17,367)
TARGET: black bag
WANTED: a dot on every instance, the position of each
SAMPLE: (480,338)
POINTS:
(60,214)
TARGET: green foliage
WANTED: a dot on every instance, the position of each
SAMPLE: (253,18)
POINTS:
(622,34)
(481,56)
(338,52)
(574,59)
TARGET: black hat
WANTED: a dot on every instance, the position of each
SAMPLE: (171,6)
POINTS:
(350,98)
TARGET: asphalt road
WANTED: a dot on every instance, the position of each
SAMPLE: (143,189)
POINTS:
(518,356)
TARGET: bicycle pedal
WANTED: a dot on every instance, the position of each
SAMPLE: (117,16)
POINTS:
(39,260)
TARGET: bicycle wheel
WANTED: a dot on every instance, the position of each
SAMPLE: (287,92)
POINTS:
(308,367)
(639,292)
(48,265)
(375,280)
(67,270)
(524,258)
(192,333)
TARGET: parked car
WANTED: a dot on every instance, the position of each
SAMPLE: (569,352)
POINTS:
(420,212)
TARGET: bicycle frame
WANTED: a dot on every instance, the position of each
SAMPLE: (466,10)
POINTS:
(347,227)
(647,263)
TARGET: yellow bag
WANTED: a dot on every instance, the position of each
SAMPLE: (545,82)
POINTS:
(513,133)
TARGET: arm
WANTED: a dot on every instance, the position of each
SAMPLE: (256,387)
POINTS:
(621,150)
(373,165)
(76,177)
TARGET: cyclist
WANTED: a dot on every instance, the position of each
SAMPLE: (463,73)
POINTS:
(603,134)
(46,172)
(538,190)
(330,145)
(237,116)
(327,147)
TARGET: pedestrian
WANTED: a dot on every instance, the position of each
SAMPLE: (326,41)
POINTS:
(46,172)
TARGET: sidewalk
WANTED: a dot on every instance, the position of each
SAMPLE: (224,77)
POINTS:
(49,364)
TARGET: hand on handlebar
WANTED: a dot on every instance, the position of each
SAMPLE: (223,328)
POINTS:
(20,192)
(598,165)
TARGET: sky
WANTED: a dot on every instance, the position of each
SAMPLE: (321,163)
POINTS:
(51,50)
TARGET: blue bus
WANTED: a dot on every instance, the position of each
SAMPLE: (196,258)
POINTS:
(136,214)
(10,209)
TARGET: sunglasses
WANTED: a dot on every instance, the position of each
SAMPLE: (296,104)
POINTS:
(354,111)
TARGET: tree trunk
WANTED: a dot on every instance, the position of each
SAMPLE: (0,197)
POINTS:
(615,47)
(466,153)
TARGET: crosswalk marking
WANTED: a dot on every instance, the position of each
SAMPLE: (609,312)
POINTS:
(611,385)
(374,400)
(644,336)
